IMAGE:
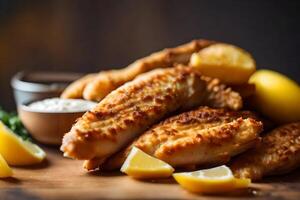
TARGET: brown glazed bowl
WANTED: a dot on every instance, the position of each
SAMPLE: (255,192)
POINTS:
(47,127)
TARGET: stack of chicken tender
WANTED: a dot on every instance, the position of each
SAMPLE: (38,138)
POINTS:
(171,111)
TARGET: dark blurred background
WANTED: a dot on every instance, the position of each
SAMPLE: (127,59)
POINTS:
(87,36)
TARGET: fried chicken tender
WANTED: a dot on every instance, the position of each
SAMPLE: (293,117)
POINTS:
(204,136)
(75,89)
(129,110)
(104,82)
(278,153)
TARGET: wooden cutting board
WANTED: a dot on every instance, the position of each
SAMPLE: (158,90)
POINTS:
(61,178)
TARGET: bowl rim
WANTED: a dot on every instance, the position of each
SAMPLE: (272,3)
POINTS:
(26,86)
(25,107)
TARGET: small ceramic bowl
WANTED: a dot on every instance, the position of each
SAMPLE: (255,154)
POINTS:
(47,127)
(30,85)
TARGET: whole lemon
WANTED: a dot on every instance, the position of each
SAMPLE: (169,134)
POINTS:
(276,96)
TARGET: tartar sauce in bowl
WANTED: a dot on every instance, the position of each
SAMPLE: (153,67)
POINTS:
(58,105)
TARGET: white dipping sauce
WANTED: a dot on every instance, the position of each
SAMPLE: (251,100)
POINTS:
(61,105)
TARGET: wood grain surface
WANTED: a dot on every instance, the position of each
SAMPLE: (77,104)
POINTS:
(61,178)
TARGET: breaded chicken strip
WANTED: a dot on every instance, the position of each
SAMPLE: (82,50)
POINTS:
(75,89)
(107,81)
(278,153)
(99,86)
(132,108)
(204,136)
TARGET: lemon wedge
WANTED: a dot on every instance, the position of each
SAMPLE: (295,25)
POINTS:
(214,180)
(230,64)
(17,151)
(5,170)
(141,165)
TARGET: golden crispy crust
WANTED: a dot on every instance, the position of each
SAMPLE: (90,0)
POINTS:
(220,96)
(130,109)
(107,81)
(75,89)
(133,107)
(278,153)
(185,139)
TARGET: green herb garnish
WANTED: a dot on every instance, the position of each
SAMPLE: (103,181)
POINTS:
(13,122)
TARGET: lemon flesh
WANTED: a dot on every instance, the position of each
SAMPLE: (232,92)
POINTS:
(17,151)
(214,180)
(5,170)
(230,64)
(141,165)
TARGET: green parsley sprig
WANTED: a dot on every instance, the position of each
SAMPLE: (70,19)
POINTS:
(13,122)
